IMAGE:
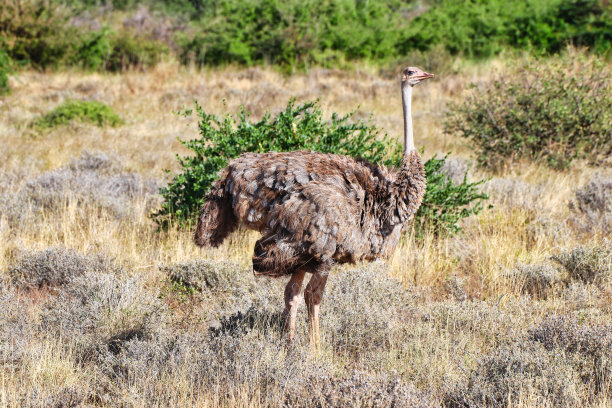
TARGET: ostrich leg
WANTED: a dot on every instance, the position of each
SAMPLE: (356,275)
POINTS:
(292,299)
(313,296)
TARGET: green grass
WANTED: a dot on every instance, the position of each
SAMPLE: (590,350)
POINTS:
(92,112)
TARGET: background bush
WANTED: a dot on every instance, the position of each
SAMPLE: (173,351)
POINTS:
(301,127)
(296,32)
(32,32)
(486,28)
(330,32)
(51,34)
(93,112)
(93,34)
(556,110)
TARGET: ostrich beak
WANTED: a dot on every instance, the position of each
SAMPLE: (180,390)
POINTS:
(425,75)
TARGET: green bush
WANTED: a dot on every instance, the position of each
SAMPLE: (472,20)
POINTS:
(117,50)
(297,33)
(445,202)
(129,50)
(36,33)
(5,70)
(93,112)
(556,110)
(39,34)
(484,28)
(93,51)
(294,33)
(301,127)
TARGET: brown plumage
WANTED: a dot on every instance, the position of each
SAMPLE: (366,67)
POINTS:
(315,210)
(312,207)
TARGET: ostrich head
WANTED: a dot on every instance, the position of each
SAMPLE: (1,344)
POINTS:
(413,76)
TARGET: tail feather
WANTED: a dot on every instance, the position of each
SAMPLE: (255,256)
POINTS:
(217,219)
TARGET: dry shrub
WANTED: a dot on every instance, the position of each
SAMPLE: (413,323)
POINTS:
(587,265)
(472,317)
(560,362)
(570,335)
(593,205)
(591,343)
(364,310)
(554,229)
(515,373)
(12,205)
(50,375)
(226,363)
(15,329)
(54,266)
(455,168)
(455,286)
(536,280)
(359,389)
(207,276)
(94,178)
(69,396)
(95,161)
(98,312)
(238,362)
(235,299)
(582,265)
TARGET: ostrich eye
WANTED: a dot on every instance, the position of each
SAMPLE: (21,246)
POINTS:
(410,72)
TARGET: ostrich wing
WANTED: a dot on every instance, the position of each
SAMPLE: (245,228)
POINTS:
(320,204)
(324,217)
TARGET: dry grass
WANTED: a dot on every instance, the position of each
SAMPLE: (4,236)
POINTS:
(99,308)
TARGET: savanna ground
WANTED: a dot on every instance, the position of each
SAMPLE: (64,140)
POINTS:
(99,308)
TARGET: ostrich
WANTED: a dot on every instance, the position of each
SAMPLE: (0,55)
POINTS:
(315,210)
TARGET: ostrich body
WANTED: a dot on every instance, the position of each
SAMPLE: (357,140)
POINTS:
(315,210)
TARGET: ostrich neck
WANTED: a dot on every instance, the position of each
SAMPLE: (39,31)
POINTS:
(407,104)
(408,189)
